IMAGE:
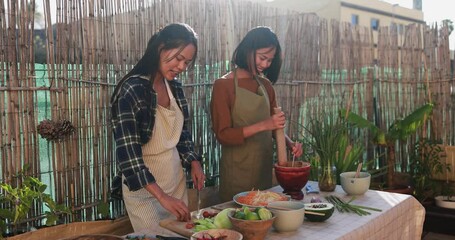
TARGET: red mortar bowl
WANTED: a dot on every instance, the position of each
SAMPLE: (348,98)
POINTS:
(292,178)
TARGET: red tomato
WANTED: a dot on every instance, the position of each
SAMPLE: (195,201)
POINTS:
(189,225)
(206,214)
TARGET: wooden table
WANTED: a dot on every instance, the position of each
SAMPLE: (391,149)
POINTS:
(402,217)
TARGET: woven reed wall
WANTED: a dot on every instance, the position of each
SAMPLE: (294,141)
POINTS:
(327,65)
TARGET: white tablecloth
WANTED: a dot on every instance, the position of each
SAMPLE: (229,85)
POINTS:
(402,217)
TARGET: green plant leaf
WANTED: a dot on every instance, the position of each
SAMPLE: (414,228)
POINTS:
(6,214)
(103,209)
(2,227)
(51,219)
(401,129)
(363,123)
(42,188)
(8,188)
(358,120)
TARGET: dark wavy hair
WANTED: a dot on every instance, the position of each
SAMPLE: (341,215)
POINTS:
(257,38)
(175,35)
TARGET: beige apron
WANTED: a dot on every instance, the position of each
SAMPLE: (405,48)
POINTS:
(162,159)
(247,166)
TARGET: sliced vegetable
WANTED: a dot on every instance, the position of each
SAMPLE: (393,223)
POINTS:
(326,208)
(264,214)
(221,220)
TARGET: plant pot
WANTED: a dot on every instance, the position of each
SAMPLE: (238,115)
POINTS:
(293,177)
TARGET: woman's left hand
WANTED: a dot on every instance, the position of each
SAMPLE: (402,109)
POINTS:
(296,149)
(197,174)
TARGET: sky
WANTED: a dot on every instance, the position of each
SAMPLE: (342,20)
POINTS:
(434,11)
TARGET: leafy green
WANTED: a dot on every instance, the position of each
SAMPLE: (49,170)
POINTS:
(426,162)
(399,130)
(21,198)
(330,139)
(221,220)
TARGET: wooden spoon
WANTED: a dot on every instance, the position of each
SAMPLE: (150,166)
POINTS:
(357,173)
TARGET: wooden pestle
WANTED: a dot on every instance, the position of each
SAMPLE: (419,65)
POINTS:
(281,143)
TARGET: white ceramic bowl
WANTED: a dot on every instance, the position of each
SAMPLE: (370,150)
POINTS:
(230,234)
(289,215)
(445,201)
(355,186)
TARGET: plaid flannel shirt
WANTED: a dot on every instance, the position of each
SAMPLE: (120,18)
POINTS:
(133,117)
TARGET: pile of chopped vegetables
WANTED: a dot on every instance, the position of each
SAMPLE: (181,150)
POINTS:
(261,198)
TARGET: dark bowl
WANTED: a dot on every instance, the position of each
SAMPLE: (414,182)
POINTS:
(293,177)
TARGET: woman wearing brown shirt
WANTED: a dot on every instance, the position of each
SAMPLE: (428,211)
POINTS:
(242,114)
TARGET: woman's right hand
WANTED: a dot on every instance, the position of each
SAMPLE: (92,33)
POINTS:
(175,206)
(276,121)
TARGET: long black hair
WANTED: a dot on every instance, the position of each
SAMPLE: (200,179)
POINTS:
(175,35)
(257,38)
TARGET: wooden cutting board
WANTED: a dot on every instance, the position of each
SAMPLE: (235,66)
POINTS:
(178,227)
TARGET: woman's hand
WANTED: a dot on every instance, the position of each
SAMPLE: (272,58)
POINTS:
(197,174)
(276,121)
(296,149)
(175,206)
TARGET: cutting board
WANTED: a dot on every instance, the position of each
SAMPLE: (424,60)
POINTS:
(178,227)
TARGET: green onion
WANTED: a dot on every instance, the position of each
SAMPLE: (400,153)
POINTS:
(342,206)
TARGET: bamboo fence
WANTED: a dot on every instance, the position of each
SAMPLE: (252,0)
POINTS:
(91,44)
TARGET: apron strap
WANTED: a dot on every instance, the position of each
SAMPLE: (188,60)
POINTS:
(169,92)
(261,89)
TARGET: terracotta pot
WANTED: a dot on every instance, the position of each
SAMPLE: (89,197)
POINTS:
(293,177)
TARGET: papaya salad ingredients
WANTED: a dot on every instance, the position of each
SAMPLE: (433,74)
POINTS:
(214,221)
(260,198)
(260,213)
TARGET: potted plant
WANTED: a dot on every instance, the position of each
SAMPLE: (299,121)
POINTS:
(399,130)
(20,199)
(425,163)
(333,149)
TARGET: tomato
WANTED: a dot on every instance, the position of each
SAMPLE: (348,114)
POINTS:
(189,225)
(206,214)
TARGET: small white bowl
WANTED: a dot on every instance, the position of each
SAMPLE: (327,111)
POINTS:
(445,201)
(355,186)
(289,215)
(230,234)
